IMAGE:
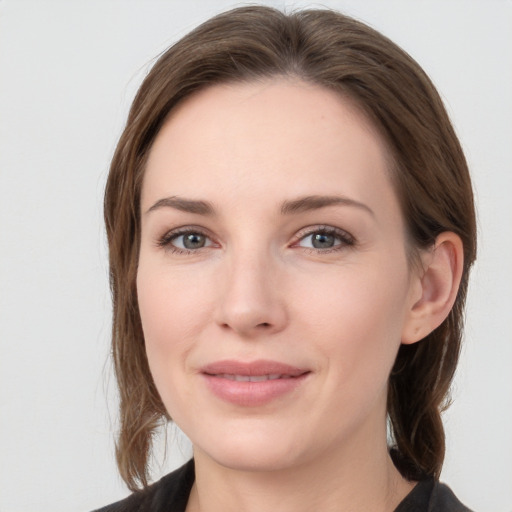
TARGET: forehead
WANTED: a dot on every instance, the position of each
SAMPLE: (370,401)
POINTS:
(274,138)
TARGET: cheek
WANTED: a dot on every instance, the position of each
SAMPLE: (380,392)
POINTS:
(356,326)
(171,304)
(173,309)
(355,315)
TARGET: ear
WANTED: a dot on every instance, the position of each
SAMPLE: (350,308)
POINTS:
(434,287)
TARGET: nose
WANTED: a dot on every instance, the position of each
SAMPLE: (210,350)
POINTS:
(251,302)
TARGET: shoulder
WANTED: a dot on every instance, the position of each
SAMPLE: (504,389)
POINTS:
(172,490)
(444,499)
(429,495)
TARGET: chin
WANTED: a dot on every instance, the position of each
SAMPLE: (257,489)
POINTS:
(252,460)
(251,452)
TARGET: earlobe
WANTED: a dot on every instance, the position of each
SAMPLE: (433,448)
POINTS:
(436,287)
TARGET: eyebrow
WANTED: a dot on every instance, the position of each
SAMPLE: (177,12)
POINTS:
(184,205)
(307,203)
(299,205)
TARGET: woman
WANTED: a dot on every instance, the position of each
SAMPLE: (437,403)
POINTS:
(291,227)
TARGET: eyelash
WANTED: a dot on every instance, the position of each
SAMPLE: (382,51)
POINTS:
(166,241)
(345,238)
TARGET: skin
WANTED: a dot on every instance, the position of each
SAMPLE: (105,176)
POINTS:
(259,289)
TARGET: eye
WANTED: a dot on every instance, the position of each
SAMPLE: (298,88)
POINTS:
(320,241)
(185,241)
(325,239)
(190,241)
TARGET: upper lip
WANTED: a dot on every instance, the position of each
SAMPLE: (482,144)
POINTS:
(252,368)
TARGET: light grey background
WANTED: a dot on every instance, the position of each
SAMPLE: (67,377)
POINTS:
(68,71)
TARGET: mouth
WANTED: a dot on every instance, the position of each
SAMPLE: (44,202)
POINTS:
(261,369)
(252,378)
(254,383)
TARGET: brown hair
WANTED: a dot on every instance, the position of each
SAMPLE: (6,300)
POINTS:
(430,177)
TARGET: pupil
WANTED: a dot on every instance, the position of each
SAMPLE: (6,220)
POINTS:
(322,241)
(193,241)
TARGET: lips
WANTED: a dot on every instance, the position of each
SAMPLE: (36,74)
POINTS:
(251,378)
(253,368)
(250,384)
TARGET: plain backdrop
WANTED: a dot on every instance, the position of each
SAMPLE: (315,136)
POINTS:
(68,71)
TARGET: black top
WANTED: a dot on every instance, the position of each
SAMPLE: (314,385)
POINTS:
(170,494)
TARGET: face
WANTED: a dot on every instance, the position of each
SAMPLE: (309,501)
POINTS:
(273,281)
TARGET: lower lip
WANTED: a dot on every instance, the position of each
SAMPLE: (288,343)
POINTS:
(252,394)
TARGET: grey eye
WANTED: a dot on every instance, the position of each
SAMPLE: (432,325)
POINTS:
(323,241)
(191,241)
(320,240)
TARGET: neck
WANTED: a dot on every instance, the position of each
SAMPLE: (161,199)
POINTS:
(360,478)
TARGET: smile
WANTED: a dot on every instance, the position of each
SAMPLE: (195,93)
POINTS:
(253,378)
(252,384)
